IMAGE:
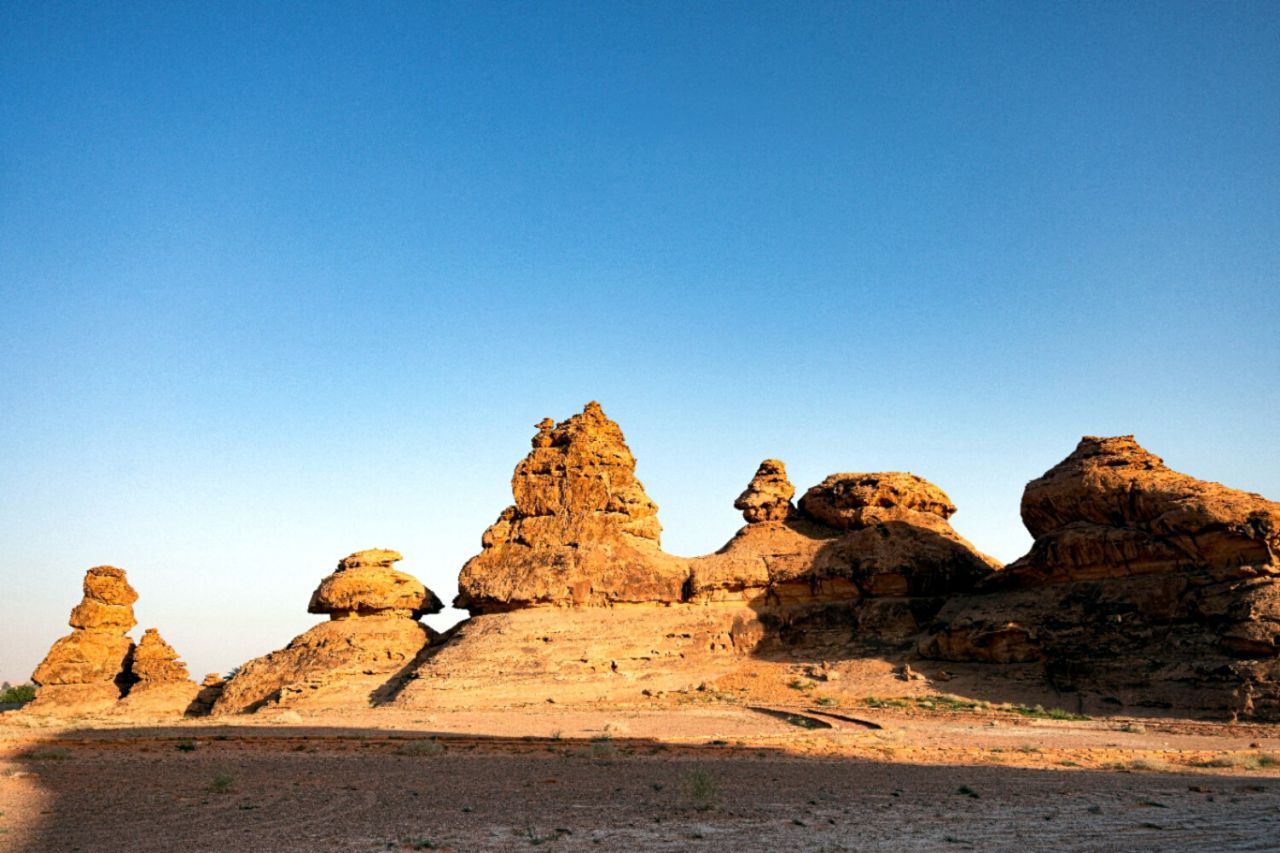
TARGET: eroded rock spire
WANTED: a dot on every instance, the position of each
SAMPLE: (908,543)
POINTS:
(582,529)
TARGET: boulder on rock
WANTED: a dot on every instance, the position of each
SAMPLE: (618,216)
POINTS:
(365,584)
(582,530)
(1144,586)
(768,495)
(89,669)
(869,552)
(852,501)
(372,638)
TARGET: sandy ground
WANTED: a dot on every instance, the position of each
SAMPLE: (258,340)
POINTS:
(700,775)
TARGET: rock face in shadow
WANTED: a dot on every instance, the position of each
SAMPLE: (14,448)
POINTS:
(582,531)
(372,636)
(163,685)
(1144,587)
(89,669)
(866,558)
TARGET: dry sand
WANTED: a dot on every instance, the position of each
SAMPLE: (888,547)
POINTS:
(705,774)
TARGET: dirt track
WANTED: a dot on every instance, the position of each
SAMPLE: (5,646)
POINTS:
(676,780)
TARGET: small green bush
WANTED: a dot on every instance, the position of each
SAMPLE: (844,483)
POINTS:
(702,790)
(19,695)
(222,784)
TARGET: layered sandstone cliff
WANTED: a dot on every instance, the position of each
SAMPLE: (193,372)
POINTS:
(1143,587)
(89,669)
(372,636)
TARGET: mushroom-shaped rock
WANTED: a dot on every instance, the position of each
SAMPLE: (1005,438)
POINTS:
(768,495)
(90,667)
(372,636)
(365,583)
(582,530)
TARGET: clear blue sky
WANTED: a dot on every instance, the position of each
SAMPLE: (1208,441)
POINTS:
(281,282)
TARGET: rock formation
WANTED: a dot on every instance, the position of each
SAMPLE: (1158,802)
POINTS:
(865,560)
(162,683)
(871,554)
(582,530)
(768,495)
(207,696)
(372,635)
(89,669)
(1143,587)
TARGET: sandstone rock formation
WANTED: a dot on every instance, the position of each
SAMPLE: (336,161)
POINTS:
(853,501)
(1143,587)
(582,530)
(89,669)
(768,495)
(867,555)
(207,696)
(866,560)
(162,683)
(373,635)
(365,584)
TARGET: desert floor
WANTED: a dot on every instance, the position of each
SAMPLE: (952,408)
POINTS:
(702,774)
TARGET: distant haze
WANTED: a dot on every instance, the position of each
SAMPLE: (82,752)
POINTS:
(279,285)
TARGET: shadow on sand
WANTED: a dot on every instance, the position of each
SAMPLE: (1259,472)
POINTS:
(304,788)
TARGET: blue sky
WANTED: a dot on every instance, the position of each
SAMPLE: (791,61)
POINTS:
(281,282)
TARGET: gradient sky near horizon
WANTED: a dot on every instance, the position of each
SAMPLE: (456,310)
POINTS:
(285,281)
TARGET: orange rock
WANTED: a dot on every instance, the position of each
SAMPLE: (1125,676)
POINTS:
(163,686)
(768,495)
(850,501)
(365,583)
(371,639)
(89,668)
(1143,586)
(1111,508)
(156,662)
(849,540)
(582,530)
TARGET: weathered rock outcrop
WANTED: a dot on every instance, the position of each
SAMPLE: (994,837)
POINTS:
(768,495)
(582,530)
(162,685)
(155,662)
(865,560)
(869,553)
(372,637)
(365,584)
(207,696)
(1144,586)
(89,669)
